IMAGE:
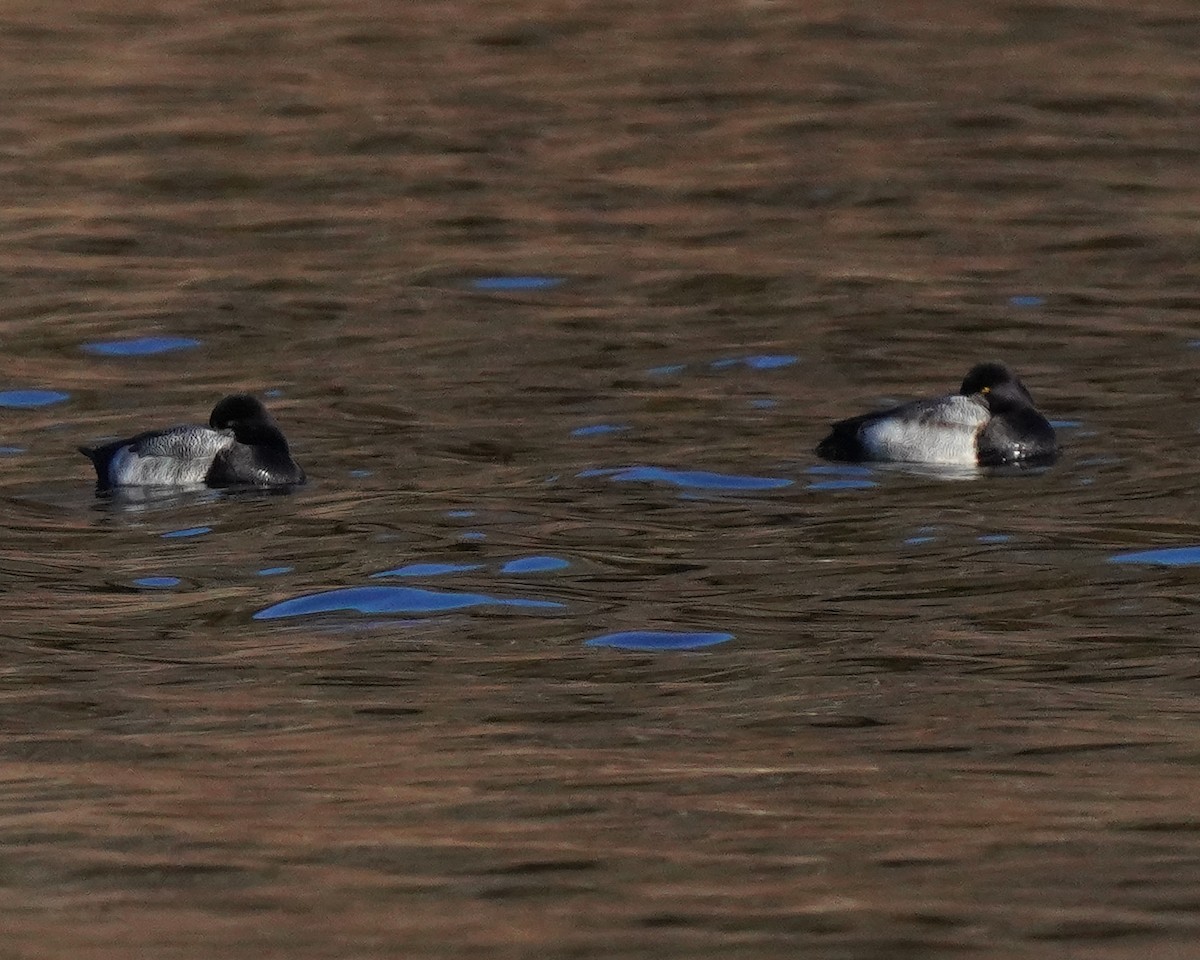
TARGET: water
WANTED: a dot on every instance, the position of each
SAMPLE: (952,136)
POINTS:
(948,714)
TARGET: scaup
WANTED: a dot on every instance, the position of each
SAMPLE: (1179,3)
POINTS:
(241,445)
(992,420)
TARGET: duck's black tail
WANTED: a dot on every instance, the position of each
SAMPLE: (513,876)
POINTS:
(100,457)
(843,442)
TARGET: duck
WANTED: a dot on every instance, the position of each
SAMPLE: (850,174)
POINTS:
(242,445)
(991,421)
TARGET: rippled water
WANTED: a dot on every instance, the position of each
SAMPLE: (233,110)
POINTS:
(571,647)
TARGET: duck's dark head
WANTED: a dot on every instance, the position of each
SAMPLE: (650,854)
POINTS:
(261,455)
(997,386)
(248,419)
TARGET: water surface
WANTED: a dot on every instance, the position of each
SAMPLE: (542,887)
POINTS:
(553,302)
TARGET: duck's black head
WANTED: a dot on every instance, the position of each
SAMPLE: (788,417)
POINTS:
(261,455)
(997,386)
(248,419)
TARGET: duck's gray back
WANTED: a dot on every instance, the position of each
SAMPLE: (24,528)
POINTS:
(175,457)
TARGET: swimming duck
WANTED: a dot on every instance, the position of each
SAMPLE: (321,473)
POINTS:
(992,420)
(242,444)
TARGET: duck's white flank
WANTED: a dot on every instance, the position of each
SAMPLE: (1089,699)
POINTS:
(175,457)
(930,431)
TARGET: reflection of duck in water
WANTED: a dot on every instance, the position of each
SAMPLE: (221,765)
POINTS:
(991,420)
(241,445)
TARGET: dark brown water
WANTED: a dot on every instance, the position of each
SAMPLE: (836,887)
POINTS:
(946,724)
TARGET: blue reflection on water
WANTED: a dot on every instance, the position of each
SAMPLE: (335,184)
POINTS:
(841,485)
(392,600)
(1164,557)
(994,538)
(598,429)
(922,535)
(460,514)
(189,532)
(1027,301)
(841,476)
(697,479)
(25,399)
(157,583)
(274,571)
(764,403)
(534,565)
(11,451)
(658,640)
(428,569)
(762,361)
(140,346)
(771,361)
(1066,424)
(766,361)
(516,283)
(840,469)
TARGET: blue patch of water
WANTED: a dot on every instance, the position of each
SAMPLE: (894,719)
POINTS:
(274,571)
(140,346)
(473,535)
(405,600)
(771,361)
(766,361)
(598,429)
(839,470)
(1027,301)
(697,479)
(841,476)
(534,565)
(516,283)
(843,484)
(360,474)
(917,541)
(994,538)
(427,570)
(11,451)
(26,399)
(188,532)
(763,403)
(670,370)
(1163,557)
(273,393)
(460,514)
(1066,424)
(658,640)
(157,583)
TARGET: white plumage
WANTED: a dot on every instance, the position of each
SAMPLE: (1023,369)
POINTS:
(931,431)
(181,456)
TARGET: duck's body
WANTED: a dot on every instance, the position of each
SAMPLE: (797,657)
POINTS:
(241,445)
(991,420)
